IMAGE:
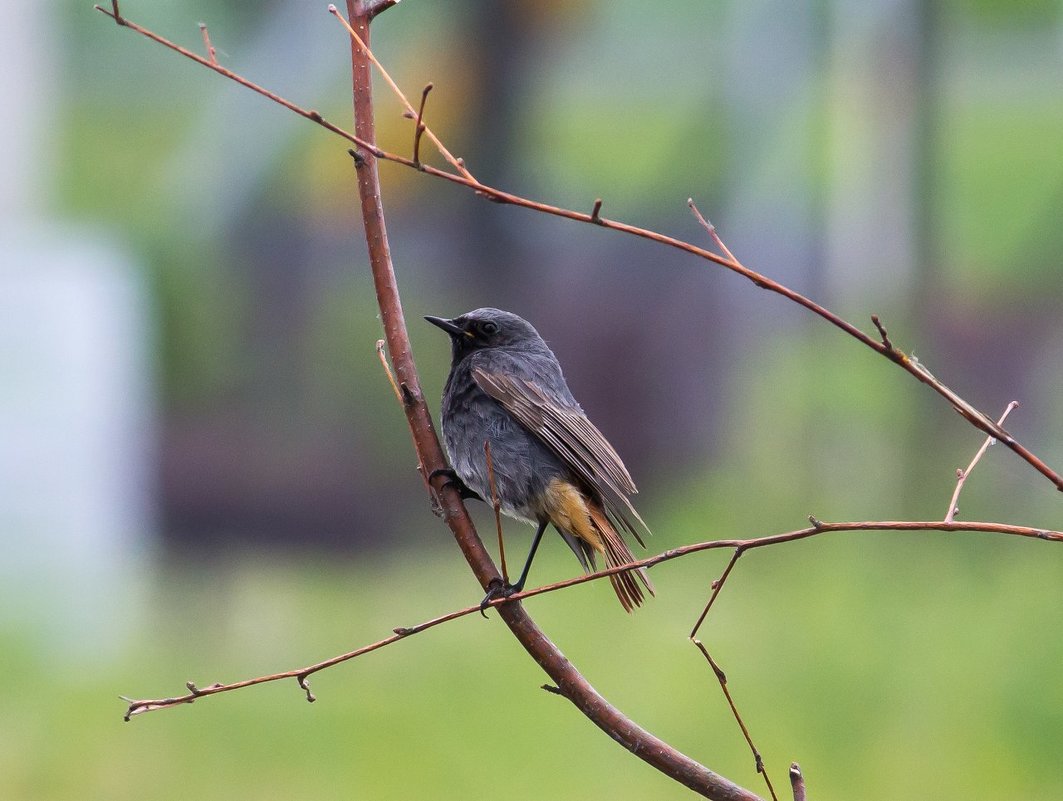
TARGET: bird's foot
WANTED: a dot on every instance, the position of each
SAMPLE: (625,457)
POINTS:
(496,590)
(454,481)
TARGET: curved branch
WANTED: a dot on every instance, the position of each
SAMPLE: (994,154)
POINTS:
(569,681)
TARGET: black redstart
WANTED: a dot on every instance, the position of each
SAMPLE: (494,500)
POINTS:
(550,464)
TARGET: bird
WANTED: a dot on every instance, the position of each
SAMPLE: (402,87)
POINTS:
(550,464)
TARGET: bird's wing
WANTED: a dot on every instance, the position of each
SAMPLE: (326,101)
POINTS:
(570,435)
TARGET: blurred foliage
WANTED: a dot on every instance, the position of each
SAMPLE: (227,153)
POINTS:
(890,665)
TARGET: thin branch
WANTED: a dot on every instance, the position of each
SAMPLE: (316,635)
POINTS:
(419,126)
(819,527)
(961,474)
(137,707)
(309,114)
(721,677)
(716,587)
(496,505)
(908,363)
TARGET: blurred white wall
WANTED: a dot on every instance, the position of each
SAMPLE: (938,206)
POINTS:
(76,389)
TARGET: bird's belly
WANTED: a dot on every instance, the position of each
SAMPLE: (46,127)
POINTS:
(521,465)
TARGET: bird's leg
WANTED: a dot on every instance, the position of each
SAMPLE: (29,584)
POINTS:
(531,555)
(455,481)
(500,590)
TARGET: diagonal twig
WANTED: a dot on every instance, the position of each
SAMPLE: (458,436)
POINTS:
(387,369)
(721,677)
(716,587)
(961,474)
(908,363)
(496,505)
(139,707)
(708,226)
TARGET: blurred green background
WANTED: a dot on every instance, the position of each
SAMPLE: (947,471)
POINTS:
(204,475)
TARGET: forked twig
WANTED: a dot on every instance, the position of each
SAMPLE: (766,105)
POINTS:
(961,474)
(721,677)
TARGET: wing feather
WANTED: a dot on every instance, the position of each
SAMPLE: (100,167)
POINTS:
(574,438)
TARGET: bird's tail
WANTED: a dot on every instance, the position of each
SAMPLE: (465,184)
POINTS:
(626,584)
(588,530)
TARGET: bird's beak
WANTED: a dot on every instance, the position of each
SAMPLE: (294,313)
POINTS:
(448,326)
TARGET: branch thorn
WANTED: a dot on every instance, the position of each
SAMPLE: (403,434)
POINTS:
(212,54)
(708,226)
(550,688)
(815,521)
(596,212)
(797,782)
(882,333)
(304,683)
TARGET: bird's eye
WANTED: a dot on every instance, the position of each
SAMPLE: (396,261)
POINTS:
(489,328)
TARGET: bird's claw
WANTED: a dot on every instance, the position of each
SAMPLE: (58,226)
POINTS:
(496,590)
(455,481)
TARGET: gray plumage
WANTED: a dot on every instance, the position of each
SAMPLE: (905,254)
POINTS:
(506,387)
